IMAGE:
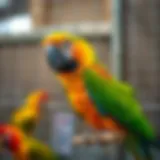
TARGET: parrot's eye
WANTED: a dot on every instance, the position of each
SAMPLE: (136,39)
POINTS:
(66,48)
(48,48)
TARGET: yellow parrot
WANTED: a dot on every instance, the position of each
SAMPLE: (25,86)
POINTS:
(26,116)
(23,147)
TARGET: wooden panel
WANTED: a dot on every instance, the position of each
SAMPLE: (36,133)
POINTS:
(107,5)
(41,12)
(69,11)
(66,11)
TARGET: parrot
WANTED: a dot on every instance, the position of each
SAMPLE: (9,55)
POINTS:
(101,100)
(23,147)
(26,116)
(68,55)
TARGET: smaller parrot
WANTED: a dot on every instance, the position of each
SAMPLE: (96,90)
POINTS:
(26,116)
(23,147)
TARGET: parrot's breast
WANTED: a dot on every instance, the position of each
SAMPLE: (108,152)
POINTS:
(83,105)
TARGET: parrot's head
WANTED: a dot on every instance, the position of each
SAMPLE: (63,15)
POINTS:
(67,53)
(37,97)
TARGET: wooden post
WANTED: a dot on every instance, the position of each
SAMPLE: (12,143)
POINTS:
(41,11)
(107,10)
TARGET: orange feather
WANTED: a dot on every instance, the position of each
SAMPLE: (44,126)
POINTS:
(81,102)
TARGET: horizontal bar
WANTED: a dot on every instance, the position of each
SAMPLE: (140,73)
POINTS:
(89,30)
(101,138)
(59,102)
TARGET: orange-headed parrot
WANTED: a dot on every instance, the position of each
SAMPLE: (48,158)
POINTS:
(68,55)
(102,101)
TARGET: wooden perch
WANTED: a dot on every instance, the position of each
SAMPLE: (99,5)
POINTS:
(102,138)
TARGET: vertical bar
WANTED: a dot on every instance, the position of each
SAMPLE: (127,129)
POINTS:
(107,10)
(117,38)
(41,12)
(117,52)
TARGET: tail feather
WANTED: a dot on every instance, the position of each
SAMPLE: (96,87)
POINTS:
(156,144)
(147,152)
(139,150)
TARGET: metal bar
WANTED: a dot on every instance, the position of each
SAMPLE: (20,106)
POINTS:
(148,107)
(117,40)
(117,49)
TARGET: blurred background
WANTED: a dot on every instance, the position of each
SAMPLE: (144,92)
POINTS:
(125,34)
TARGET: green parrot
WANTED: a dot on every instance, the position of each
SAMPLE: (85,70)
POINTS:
(117,100)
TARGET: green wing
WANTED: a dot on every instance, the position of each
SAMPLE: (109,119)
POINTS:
(24,120)
(121,86)
(40,151)
(117,100)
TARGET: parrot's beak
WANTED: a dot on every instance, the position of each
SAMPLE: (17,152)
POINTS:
(59,61)
(44,97)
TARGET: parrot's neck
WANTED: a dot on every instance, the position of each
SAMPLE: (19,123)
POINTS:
(72,82)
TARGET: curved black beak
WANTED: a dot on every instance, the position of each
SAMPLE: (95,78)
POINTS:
(59,61)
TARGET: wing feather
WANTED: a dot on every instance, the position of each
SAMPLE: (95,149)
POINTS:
(113,98)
